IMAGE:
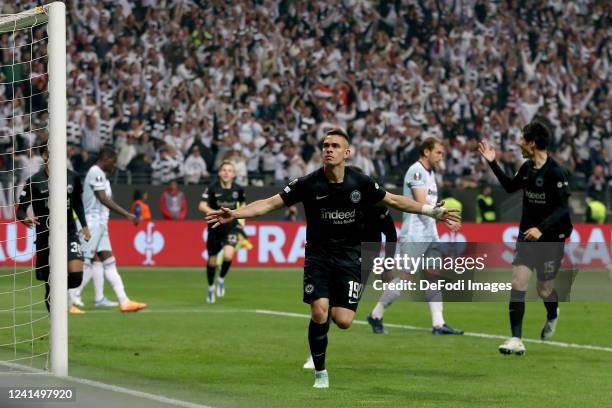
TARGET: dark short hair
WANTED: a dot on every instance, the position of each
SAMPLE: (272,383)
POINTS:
(337,131)
(107,151)
(537,131)
(428,144)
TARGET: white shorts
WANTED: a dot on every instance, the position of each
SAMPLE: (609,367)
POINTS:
(99,241)
(424,247)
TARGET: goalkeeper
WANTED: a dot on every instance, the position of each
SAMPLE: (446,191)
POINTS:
(36,194)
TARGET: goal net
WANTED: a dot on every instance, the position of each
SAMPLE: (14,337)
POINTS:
(32,115)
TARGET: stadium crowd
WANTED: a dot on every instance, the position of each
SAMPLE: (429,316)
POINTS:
(179,85)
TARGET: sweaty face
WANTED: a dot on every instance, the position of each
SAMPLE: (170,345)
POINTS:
(226,173)
(335,149)
(435,155)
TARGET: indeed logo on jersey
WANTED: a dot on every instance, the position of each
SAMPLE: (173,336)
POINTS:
(338,216)
(538,198)
(222,203)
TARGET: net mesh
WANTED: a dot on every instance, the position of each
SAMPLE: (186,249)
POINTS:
(24,321)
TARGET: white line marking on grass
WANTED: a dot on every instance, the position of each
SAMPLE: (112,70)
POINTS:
(110,387)
(425,329)
(140,394)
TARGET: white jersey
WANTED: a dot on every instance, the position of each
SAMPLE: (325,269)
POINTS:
(415,227)
(96,213)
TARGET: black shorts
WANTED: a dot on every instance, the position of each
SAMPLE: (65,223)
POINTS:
(337,278)
(42,254)
(543,257)
(216,241)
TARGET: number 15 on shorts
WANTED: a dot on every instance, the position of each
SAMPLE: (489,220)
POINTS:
(354,290)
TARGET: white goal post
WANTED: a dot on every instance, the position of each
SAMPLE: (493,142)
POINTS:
(54,14)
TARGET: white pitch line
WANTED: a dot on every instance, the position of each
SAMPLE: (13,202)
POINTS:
(110,387)
(469,334)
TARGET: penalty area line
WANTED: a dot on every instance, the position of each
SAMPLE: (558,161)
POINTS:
(469,334)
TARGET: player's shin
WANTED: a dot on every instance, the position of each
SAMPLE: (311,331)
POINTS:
(97,273)
(517,311)
(111,274)
(388,297)
(317,339)
(75,279)
(551,302)
(210,274)
(436,307)
(47,292)
(87,276)
(225,266)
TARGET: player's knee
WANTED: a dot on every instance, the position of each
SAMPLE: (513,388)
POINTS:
(319,315)
(343,322)
(544,291)
(109,261)
(520,284)
(75,279)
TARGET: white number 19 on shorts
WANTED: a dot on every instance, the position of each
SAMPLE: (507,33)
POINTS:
(354,289)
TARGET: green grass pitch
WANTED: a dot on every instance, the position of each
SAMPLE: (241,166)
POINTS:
(227,355)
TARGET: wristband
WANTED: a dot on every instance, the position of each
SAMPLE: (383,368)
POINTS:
(428,209)
(432,211)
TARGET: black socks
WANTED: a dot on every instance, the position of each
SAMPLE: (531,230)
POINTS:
(551,303)
(317,339)
(210,274)
(517,311)
(225,268)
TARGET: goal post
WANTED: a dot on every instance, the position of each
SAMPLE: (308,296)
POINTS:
(58,260)
(54,15)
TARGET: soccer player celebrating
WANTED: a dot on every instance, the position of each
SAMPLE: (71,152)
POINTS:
(36,193)
(335,199)
(377,221)
(419,235)
(97,199)
(221,193)
(545,218)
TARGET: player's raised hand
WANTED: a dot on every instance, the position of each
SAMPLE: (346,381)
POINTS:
(487,151)
(31,221)
(86,234)
(220,216)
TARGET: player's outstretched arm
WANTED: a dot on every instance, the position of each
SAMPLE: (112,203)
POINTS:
(114,207)
(449,216)
(254,209)
(510,184)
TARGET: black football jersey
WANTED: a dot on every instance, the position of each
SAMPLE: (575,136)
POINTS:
(335,212)
(36,193)
(378,221)
(216,196)
(545,198)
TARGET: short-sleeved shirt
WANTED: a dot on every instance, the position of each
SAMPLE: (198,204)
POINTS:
(417,226)
(96,213)
(216,196)
(334,211)
(544,191)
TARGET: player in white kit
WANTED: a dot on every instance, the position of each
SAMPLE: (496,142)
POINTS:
(97,200)
(419,235)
